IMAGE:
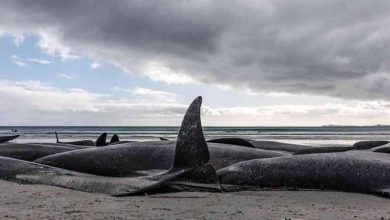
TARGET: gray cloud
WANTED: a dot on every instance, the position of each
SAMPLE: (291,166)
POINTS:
(39,103)
(337,48)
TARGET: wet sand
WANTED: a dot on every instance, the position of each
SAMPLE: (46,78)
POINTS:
(48,202)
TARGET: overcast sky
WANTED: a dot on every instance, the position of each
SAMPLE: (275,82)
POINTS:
(258,63)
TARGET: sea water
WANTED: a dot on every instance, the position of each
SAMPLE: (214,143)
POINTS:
(301,135)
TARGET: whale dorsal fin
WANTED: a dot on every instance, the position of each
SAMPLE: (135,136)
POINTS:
(101,140)
(114,138)
(191,147)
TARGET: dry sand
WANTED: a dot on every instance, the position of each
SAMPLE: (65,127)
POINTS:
(49,202)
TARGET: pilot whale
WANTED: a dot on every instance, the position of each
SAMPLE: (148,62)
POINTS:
(30,152)
(265,145)
(331,148)
(129,159)
(189,168)
(325,149)
(351,171)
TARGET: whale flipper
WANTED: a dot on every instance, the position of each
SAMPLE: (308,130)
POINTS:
(101,140)
(114,139)
(8,138)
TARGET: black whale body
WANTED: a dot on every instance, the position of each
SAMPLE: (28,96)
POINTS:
(264,145)
(331,148)
(75,147)
(30,152)
(352,171)
(129,159)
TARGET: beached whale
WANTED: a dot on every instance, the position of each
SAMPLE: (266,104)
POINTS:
(74,147)
(265,145)
(90,143)
(352,171)
(100,141)
(325,149)
(129,159)
(365,145)
(30,152)
(4,139)
(332,148)
(189,168)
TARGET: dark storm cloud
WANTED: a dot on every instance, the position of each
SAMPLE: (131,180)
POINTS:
(331,47)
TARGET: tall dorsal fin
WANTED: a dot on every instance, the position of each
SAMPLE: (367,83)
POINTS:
(101,141)
(114,138)
(191,147)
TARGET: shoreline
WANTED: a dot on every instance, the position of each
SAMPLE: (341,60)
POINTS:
(21,201)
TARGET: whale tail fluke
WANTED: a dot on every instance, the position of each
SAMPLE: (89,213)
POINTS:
(101,140)
(114,139)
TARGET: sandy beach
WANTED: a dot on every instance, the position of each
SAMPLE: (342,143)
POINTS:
(48,202)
